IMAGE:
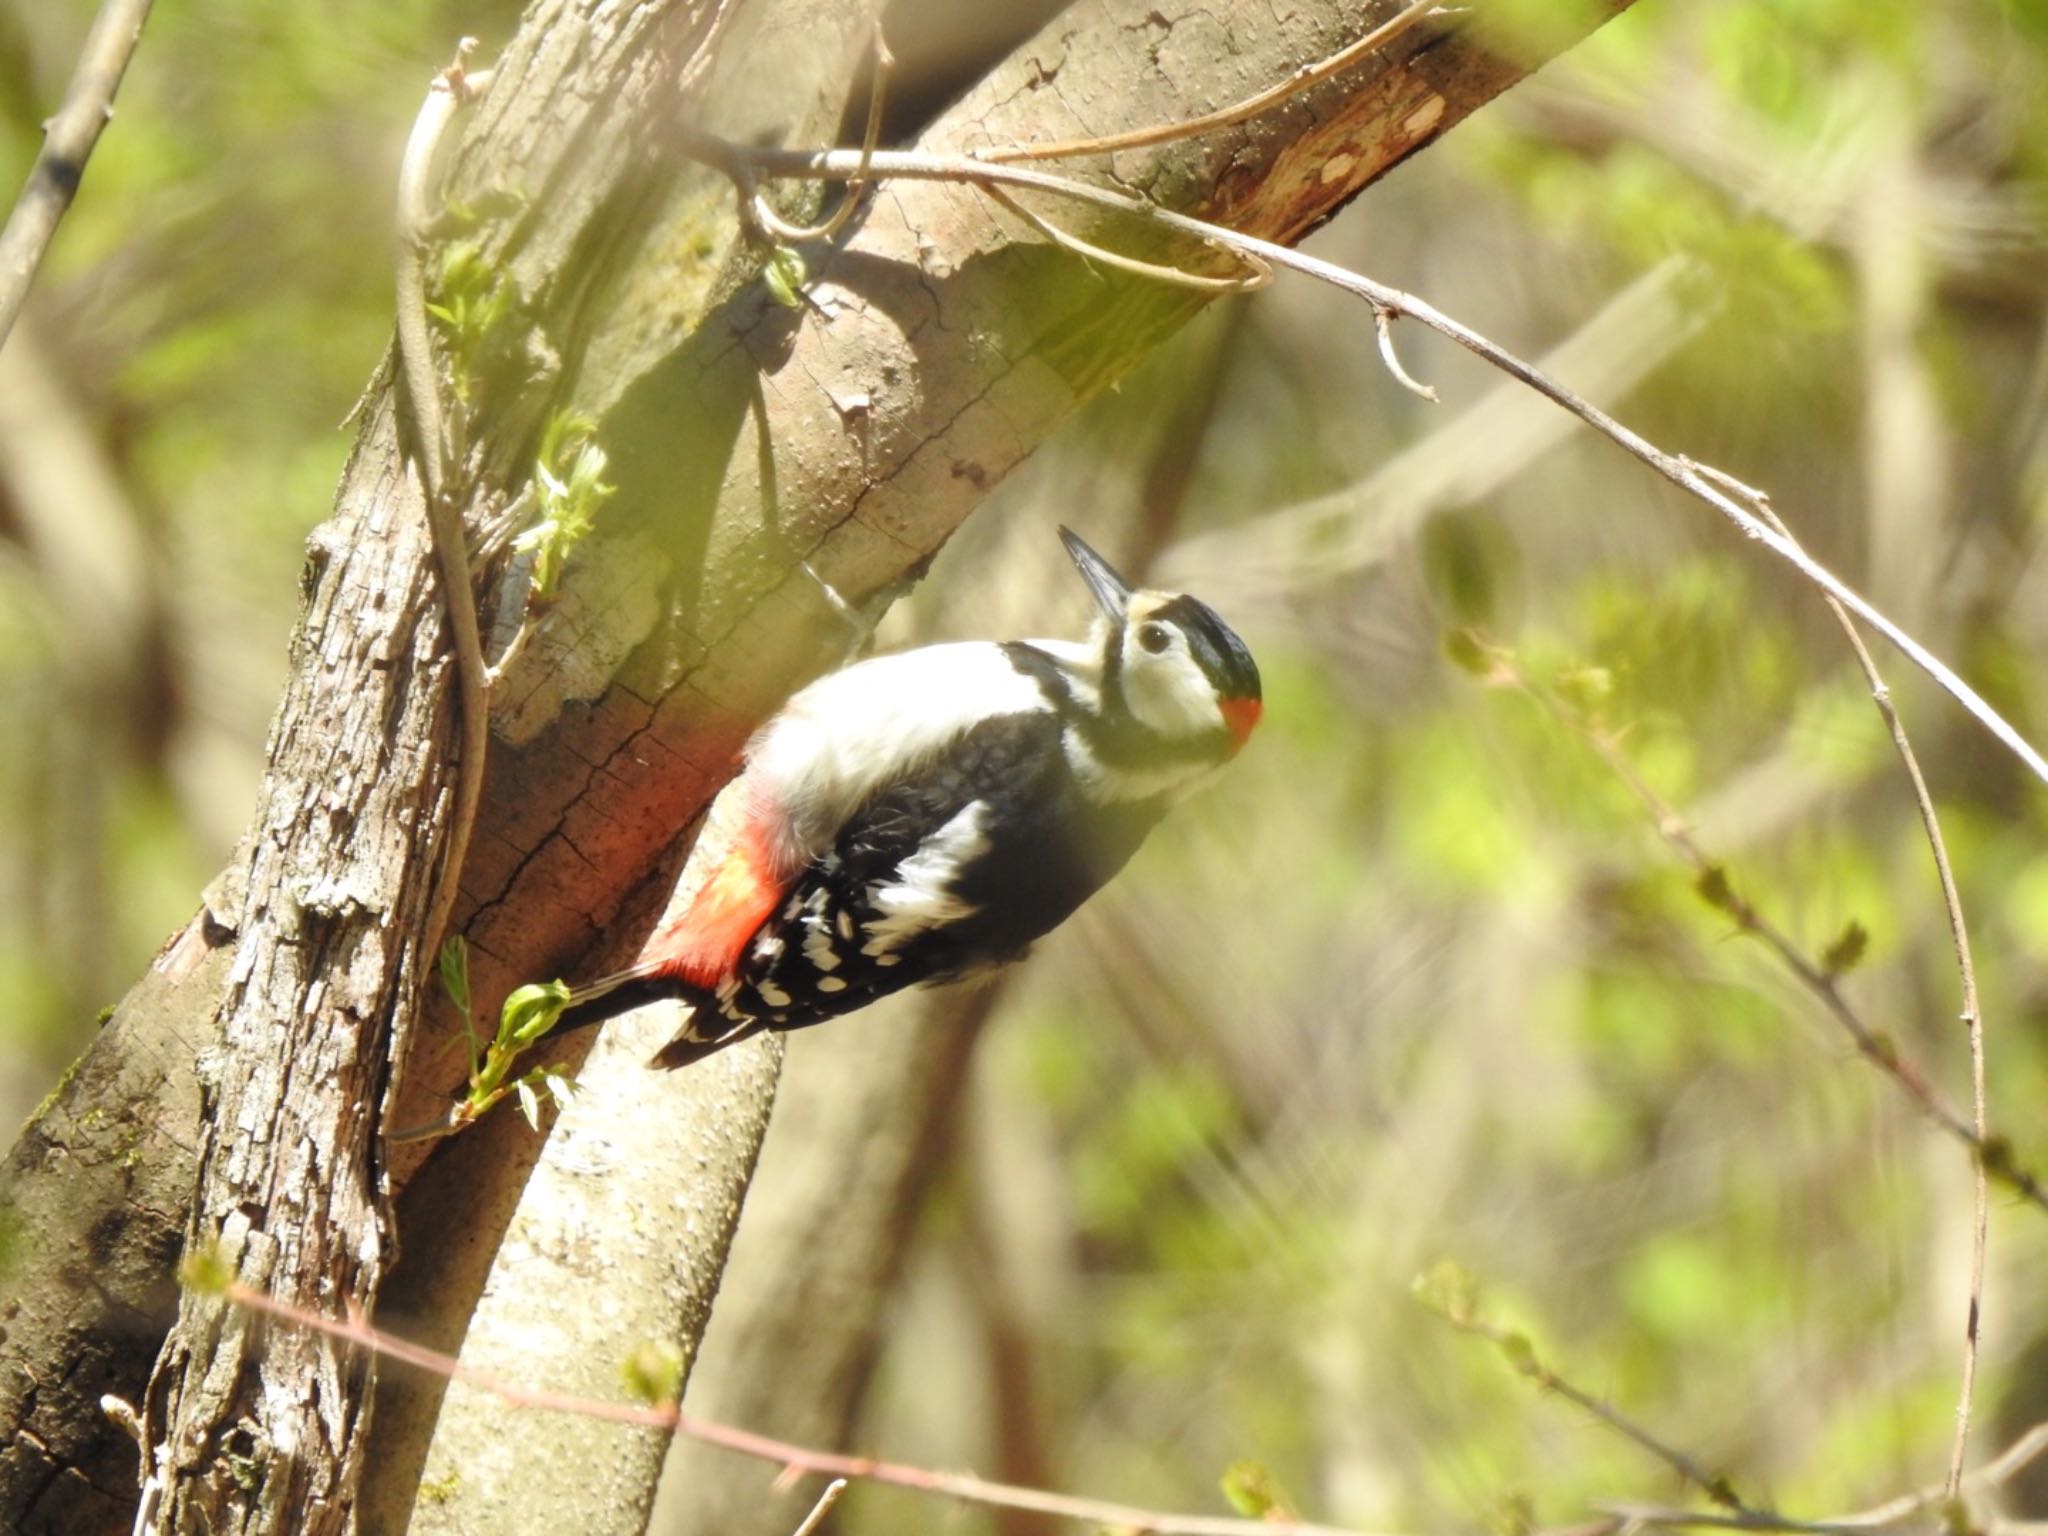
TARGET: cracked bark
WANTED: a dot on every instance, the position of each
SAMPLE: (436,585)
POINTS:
(740,434)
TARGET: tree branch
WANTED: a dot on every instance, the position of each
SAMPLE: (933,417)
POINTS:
(427,428)
(1252,106)
(963,1486)
(68,142)
(1966,969)
(1991,1152)
(744,436)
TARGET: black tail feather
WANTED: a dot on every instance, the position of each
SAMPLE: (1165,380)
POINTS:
(612,1002)
(686,1049)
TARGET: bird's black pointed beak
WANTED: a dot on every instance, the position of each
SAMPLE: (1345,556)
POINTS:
(1110,589)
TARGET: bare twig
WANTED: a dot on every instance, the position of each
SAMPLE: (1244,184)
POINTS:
(1973,1023)
(1992,1153)
(2014,1459)
(1223,117)
(1521,1355)
(955,1485)
(1257,274)
(822,1508)
(68,140)
(447,1123)
(451,90)
(774,226)
(1723,1520)
(1383,321)
(2001,1469)
(838,165)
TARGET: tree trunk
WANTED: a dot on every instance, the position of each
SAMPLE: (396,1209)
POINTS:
(866,1111)
(950,341)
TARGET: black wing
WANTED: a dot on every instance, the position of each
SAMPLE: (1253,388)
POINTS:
(954,868)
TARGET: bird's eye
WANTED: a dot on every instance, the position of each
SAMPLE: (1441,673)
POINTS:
(1153,637)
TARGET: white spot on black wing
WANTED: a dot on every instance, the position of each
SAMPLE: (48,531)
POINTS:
(819,951)
(921,895)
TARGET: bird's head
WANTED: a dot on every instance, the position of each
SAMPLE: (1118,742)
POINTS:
(1168,663)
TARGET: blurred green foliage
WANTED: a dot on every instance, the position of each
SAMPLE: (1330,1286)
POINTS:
(1418,979)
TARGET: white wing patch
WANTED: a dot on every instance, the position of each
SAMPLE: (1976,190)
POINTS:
(921,897)
(818,945)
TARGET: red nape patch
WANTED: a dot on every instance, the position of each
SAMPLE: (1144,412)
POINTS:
(705,943)
(1240,715)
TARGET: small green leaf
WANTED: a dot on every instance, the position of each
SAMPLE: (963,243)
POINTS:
(1253,1491)
(1470,651)
(492,203)
(538,535)
(785,276)
(1847,952)
(441,1490)
(1956,1519)
(1585,688)
(1521,1354)
(569,485)
(206,1271)
(560,1089)
(653,1372)
(1995,1153)
(455,972)
(529,1102)
(531,1011)
(1716,892)
(1514,1514)
(1448,1289)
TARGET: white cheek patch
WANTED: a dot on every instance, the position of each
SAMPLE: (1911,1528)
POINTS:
(1169,693)
(921,896)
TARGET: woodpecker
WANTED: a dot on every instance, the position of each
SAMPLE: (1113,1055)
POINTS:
(926,815)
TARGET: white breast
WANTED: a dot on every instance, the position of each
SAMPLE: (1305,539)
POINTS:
(847,734)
